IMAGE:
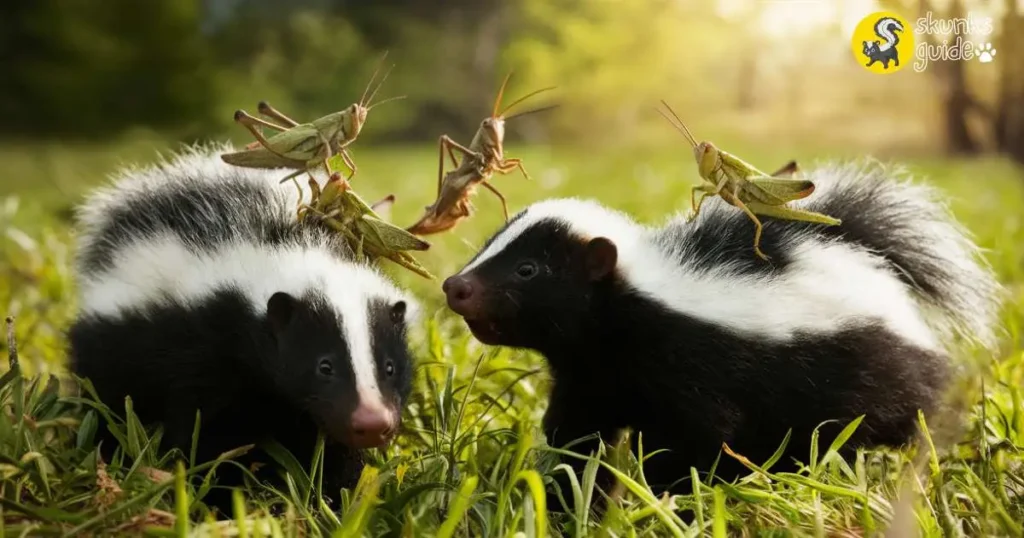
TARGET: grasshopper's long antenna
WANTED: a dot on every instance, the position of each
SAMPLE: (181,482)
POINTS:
(384,78)
(362,98)
(532,111)
(678,124)
(395,98)
(501,93)
(525,97)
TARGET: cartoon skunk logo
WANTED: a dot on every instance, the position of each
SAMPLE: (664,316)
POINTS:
(875,51)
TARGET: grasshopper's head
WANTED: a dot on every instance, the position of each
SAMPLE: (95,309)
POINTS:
(706,155)
(492,131)
(354,119)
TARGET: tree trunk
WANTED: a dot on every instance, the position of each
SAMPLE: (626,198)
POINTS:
(956,99)
(1008,123)
(745,79)
(957,104)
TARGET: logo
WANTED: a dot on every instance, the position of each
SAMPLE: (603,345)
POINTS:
(956,39)
(986,53)
(883,42)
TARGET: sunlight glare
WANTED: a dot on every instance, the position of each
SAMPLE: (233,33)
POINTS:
(782,18)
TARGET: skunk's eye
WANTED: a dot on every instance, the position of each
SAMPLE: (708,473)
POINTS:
(526,270)
(389,368)
(325,367)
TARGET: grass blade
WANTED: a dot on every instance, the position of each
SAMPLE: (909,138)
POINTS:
(457,509)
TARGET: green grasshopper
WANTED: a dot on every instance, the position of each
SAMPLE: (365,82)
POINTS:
(305,146)
(742,185)
(341,209)
(484,156)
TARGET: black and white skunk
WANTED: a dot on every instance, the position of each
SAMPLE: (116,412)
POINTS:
(199,290)
(683,335)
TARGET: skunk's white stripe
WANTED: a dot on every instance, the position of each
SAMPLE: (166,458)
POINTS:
(162,270)
(825,287)
(584,217)
(196,164)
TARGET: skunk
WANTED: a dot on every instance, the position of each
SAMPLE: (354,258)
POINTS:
(201,291)
(683,335)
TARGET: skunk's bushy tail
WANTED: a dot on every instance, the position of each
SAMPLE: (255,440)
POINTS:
(907,224)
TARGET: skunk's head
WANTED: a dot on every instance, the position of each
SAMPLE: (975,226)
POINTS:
(340,354)
(536,279)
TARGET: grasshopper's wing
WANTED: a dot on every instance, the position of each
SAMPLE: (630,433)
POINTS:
(302,143)
(363,207)
(393,237)
(787,170)
(260,158)
(355,202)
(778,190)
(736,167)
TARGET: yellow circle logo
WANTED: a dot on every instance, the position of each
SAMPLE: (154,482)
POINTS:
(883,42)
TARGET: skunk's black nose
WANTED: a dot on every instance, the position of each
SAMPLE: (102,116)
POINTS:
(462,294)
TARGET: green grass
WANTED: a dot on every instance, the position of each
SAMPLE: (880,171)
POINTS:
(471,459)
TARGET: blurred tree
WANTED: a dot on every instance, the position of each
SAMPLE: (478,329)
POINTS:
(317,55)
(613,61)
(1009,113)
(957,99)
(1006,118)
(85,68)
(451,51)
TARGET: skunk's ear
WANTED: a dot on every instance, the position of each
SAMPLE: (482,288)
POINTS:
(397,312)
(280,309)
(601,258)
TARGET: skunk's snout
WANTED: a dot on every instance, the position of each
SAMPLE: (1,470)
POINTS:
(463,295)
(372,426)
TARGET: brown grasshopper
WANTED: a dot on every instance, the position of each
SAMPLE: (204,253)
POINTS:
(742,185)
(305,146)
(484,156)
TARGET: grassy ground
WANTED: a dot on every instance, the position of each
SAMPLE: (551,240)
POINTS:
(471,461)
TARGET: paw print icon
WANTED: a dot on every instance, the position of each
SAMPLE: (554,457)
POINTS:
(986,53)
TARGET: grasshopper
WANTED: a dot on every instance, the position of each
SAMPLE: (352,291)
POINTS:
(370,236)
(742,185)
(484,156)
(305,146)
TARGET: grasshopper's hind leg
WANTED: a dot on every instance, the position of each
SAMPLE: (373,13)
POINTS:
(250,123)
(446,144)
(789,213)
(272,113)
(504,206)
(442,147)
(269,112)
